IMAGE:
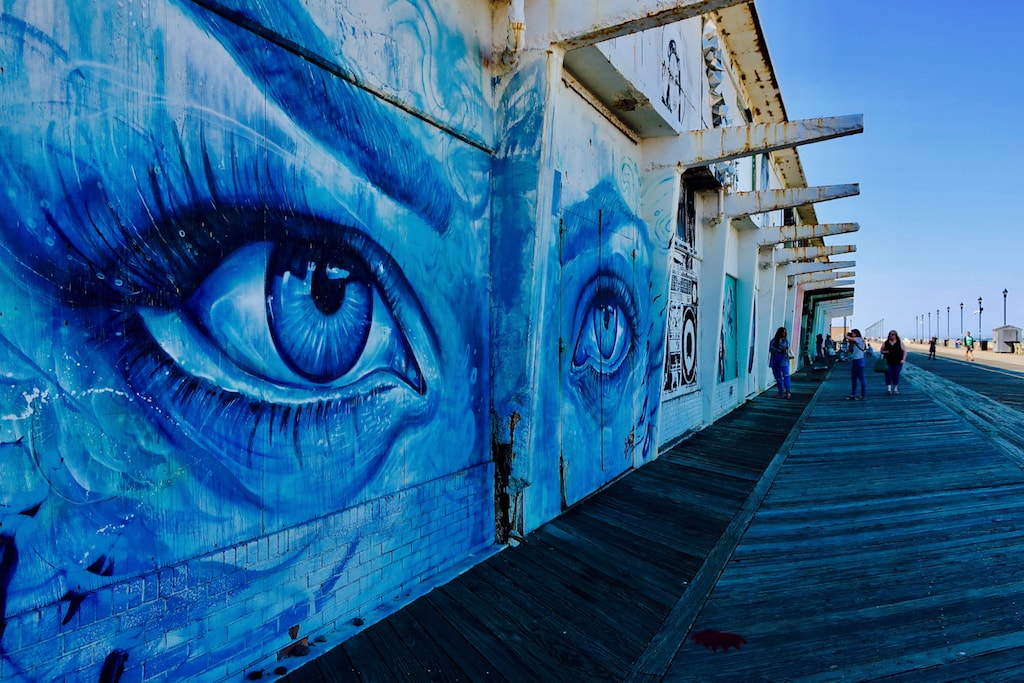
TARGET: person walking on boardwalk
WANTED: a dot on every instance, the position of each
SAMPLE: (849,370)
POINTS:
(819,347)
(855,343)
(895,356)
(969,346)
(778,358)
(931,348)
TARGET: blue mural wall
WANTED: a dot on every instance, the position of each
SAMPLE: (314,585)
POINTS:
(243,301)
(590,312)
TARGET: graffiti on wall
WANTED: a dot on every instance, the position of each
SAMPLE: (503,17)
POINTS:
(680,375)
(220,311)
(597,364)
(605,366)
(728,361)
(672,81)
(681,340)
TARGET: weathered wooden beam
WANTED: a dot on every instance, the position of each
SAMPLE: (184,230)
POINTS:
(779,234)
(804,278)
(714,145)
(813,266)
(807,254)
(578,24)
(830,284)
(736,204)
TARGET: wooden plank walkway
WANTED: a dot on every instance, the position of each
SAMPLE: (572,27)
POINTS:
(875,540)
(990,399)
(586,595)
(890,547)
(1001,384)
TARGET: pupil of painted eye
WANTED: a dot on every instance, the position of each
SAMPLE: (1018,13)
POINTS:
(608,334)
(328,288)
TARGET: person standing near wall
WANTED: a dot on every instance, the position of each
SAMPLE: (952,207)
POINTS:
(969,346)
(819,351)
(855,343)
(830,346)
(895,356)
(778,351)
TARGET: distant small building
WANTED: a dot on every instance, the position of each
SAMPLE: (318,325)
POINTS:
(1006,338)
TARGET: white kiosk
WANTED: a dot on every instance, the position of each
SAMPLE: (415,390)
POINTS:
(1006,338)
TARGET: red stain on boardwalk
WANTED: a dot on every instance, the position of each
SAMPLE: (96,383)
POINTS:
(718,639)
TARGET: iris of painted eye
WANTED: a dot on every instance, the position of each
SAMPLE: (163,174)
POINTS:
(293,317)
(605,335)
(320,309)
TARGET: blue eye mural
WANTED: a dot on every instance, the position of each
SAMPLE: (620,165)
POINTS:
(241,299)
(605,373)
(607,327)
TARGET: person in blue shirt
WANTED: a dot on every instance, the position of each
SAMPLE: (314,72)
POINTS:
(855,342)
(778,351)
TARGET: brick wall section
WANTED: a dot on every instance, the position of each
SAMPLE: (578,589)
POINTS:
(726,397)
(219,616)
(679,416)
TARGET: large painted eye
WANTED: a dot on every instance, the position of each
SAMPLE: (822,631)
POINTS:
(280,321)
(606,326)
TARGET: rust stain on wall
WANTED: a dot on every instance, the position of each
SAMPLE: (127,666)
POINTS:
(502,454)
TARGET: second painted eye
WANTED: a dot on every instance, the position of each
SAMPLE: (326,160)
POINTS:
(606,327)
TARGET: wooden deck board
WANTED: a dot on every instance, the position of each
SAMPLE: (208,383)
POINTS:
(890,546)
(476,623)
(443,636)
(583,596)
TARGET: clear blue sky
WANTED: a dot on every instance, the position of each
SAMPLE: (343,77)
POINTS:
(940,85)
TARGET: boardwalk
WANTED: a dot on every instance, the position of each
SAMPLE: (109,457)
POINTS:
(877,540)
(889,547)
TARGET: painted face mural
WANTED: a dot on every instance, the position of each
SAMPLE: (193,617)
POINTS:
(237,293)
(606,369)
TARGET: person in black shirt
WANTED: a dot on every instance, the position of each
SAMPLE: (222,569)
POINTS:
(895,356)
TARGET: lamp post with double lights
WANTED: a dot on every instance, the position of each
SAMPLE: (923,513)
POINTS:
(938,326)
(948,333)
(961,319)
(1004,307)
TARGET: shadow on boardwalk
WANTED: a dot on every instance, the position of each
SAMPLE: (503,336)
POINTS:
(880,539)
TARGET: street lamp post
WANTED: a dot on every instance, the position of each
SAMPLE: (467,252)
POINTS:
(929,324)
(1004,307)
(938,332)
(948,333)
(961,319)
(980,309)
